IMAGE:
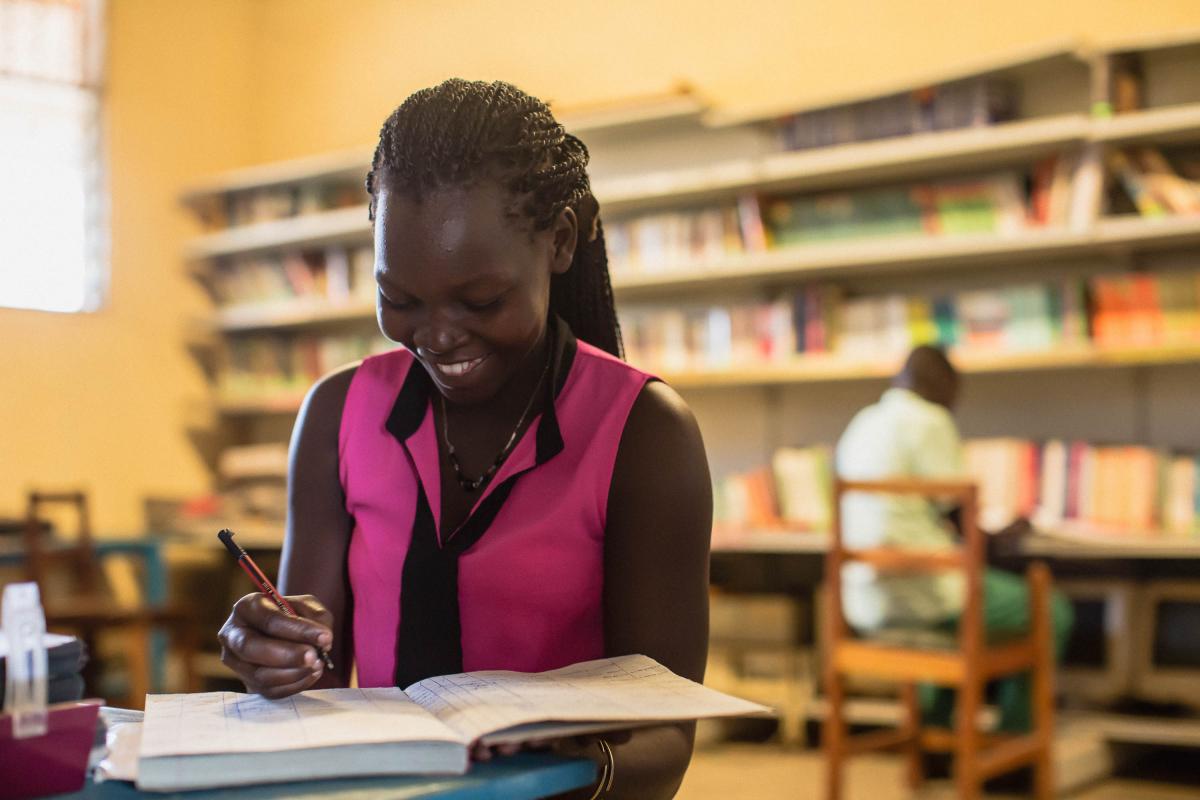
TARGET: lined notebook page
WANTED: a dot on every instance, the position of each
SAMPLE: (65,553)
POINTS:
(627,689)
(231,722)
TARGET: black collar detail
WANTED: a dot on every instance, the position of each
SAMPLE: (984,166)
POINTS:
(409,409)
(564,346)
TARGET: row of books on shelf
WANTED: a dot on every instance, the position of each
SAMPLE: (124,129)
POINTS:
(667,240)
(268,204)
(795,493)
(1004,202)
(1110,490)
(335,274)
(1108,311)
(1112,311)
(1118,489)
(1157,185)
(972,102)
(281,365)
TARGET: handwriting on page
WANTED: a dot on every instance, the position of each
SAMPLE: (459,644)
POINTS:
(628,688)
(222,722)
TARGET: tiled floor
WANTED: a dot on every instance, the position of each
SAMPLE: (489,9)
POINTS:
(769,772)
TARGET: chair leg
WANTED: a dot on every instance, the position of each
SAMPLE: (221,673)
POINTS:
(912,728)
(138,664)
(186,638)
(834,735)
(1043,685)
(966,754)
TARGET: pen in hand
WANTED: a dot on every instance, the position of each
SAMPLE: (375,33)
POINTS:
(263,583)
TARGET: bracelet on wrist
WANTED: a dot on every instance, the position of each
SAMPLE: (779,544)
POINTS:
(608,770)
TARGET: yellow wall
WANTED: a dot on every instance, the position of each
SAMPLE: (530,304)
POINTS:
(98,400)
(197,87)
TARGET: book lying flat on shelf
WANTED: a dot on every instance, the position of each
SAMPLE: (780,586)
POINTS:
(214,739)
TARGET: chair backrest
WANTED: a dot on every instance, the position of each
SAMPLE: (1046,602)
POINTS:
(79,554)
(969,557)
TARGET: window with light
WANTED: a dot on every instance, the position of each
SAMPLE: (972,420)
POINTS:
(53,196)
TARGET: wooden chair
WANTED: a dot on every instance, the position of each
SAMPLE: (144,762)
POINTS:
(966,663)
(83,604)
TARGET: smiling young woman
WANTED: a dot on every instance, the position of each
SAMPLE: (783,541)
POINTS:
(503,492)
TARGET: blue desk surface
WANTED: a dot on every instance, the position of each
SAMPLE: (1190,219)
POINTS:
(525,776)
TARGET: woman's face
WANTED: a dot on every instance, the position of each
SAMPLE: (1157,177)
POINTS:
(464,286)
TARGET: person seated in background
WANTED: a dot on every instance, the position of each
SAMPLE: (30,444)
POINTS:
(911,433)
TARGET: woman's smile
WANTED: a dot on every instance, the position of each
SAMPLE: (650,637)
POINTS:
(458,369)
(459,377)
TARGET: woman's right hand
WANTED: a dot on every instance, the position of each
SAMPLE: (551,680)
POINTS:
(276,655)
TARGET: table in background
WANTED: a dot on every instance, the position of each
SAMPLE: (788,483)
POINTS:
(148,550)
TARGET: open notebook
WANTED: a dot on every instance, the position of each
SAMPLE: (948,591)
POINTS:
(197,741)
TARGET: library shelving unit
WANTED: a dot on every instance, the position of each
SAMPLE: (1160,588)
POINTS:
(303,225)
(287,257)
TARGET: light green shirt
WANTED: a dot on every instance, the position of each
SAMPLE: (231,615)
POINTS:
(901,436)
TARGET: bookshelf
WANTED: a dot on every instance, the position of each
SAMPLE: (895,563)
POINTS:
(787,171)
(293,314)
(676,152)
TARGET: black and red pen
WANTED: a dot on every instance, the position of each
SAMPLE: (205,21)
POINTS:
(263,583)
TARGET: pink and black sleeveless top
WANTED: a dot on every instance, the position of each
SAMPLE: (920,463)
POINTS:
(519,585)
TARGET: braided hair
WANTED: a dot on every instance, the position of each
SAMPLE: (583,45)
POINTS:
(461,131)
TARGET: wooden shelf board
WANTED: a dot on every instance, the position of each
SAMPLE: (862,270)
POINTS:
(1168,122)
(342,224)
(723,177)
(798,261)
(817,369)
(1061,545)
(927,252)
(974,148)
(765,541)
(1045,543)
(1131,230)
(878,253)
(290,314)
(968,147)
(354,161)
